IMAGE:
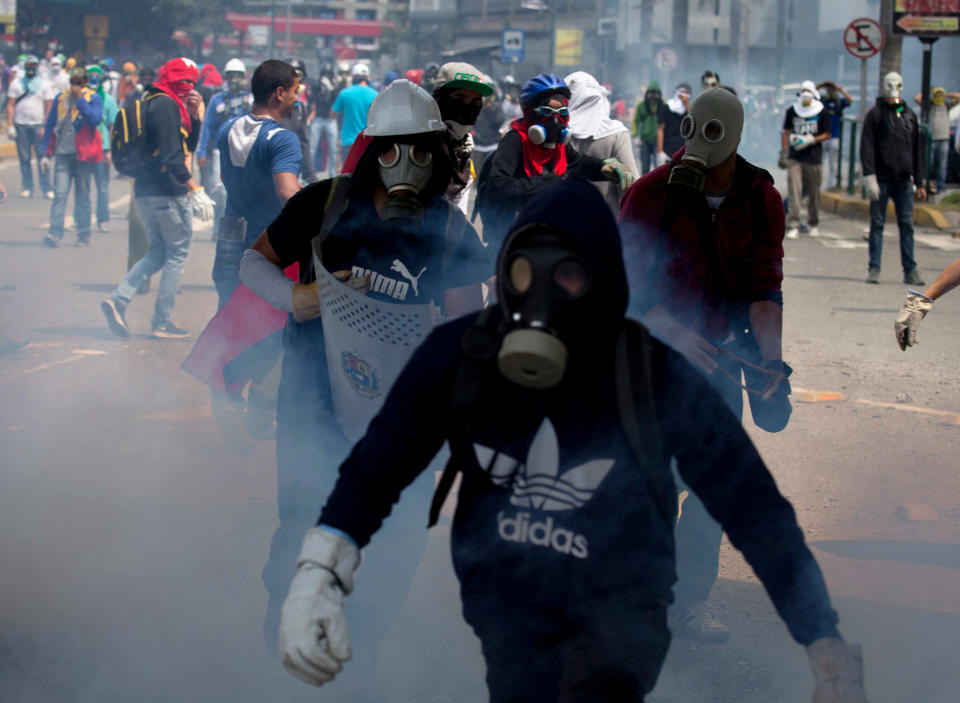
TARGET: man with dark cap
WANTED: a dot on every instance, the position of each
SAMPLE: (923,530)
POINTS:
(562,417)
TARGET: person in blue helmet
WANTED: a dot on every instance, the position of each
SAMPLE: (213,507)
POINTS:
(534,154)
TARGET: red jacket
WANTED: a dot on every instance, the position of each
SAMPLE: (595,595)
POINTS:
(676,268)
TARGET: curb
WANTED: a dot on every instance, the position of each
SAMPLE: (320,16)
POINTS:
(857,208)
(8,150)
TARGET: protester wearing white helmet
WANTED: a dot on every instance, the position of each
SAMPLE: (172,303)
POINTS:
(385,230)
(353,103)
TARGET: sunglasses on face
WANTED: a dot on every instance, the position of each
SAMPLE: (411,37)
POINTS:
(547,111)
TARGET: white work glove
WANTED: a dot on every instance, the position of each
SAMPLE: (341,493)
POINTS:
(202,204)
(616,171)
(661,158)
(914,310)
(45,164)
(12,132)
(799,142)
(838,671)
(872,186)
(314,642)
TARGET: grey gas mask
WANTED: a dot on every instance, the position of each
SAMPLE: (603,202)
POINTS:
(712,130)
(405,171)
(543,288)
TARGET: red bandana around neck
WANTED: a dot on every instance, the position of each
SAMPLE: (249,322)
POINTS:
(169,80)
(535,157)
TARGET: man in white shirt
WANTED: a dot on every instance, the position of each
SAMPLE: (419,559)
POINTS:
(28,100)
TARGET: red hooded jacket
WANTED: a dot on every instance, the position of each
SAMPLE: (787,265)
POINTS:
(675,268)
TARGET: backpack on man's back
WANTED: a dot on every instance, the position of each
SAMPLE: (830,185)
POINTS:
(128,141)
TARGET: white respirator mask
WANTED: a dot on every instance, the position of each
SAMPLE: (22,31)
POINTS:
(712,132)
(893,86)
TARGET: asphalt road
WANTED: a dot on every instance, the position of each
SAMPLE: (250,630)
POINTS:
(131,536)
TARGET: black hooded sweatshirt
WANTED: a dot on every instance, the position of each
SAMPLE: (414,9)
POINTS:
(556,515)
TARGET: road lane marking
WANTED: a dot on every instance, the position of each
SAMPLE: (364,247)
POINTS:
(43,367)
(802,395)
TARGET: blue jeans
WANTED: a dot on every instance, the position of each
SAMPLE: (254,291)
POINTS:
(169,225)
(901,192)
(938,167)
(226,266)
(29,139)
(324,138)
(101,179)
(67,169)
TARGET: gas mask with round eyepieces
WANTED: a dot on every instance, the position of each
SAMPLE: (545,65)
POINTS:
(712,130)
(405,170)
(544,287)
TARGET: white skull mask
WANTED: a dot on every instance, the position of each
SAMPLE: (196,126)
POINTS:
(713,127)
(893,86)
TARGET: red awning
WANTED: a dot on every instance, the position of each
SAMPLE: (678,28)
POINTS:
(310,25)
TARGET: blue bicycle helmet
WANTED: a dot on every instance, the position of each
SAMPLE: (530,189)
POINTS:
(538,85)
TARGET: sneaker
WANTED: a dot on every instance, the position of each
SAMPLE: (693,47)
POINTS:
(83,242)
(814,231)
(793,233)
(50,195)
(25,193)
(51,241)
(102,227)
(698,623)
(114,311)
(912,278)
(873,275)
(804,229)
(169,331)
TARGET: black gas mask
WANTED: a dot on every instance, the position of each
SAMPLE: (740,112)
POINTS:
(30,70)
(543,284)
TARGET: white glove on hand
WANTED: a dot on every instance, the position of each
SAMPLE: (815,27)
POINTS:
(799,142)
(618,172)
(45,164)
(837,670)
(661,159)
(202,204)
(872,186)
(314,642)
(12,132)
(914,310)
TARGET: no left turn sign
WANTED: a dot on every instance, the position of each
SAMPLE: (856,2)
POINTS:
(864,38)
(665,60)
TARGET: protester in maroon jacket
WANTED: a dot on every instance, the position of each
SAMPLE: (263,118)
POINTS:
(702,239)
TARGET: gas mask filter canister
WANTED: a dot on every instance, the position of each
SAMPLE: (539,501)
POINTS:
(405,171)
(542,291)
(712,132)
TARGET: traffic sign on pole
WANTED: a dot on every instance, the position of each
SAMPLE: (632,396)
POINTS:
(864,38)
(666,60)
(511,49)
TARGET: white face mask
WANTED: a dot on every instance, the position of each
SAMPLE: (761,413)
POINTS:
(457,131)
(893,86)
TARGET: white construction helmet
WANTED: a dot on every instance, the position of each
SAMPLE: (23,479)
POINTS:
(235,65)
(403,108)
(360,70)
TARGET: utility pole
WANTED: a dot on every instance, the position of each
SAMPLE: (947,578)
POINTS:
(890,56)
(740,41)
(781,42)
(681,11)
(646,48)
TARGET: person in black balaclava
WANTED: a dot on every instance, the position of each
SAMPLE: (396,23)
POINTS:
(562,417)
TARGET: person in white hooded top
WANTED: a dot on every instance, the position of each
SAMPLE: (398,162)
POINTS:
(805,127)
(597,134)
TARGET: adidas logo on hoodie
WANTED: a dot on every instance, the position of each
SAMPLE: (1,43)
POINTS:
(538,485)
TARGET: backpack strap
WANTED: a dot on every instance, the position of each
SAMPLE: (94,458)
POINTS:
(478,345)
(453,235)
(333,208)
(634,390)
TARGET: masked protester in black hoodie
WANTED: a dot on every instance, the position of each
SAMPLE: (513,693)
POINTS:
(563,535)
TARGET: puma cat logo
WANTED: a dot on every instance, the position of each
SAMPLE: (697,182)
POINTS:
(414,280)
